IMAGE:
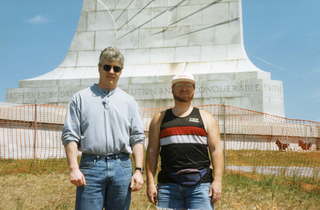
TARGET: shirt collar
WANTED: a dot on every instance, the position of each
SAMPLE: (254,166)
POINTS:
(101,91)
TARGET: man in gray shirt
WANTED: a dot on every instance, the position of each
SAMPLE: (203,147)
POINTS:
(103,122)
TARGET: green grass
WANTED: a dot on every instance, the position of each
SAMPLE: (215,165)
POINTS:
(247,191)
(273,158)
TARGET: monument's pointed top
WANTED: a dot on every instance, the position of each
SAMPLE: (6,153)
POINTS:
(157,32)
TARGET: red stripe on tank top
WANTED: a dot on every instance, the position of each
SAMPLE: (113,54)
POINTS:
(185,130)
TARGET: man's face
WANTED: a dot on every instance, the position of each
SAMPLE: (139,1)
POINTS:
(183,91)
(109,73)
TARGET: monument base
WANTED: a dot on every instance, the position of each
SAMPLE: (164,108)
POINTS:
(252,90)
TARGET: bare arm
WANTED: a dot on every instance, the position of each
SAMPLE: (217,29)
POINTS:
(137,178)
(216,153)
(138,154)
(152,156)
(136,141)
(76,176)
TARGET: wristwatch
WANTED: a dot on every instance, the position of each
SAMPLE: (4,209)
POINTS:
(139,169)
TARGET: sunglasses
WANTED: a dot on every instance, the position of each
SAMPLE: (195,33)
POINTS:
(116,69)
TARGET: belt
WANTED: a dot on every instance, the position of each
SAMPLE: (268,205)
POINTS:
(108,157)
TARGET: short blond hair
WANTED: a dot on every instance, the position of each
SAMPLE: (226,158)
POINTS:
(111,54)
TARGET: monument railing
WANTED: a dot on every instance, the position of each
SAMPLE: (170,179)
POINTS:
(34,132)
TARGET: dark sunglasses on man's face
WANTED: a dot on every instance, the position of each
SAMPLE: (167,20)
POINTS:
(107,68)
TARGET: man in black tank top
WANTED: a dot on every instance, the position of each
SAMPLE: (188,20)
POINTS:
(185,138)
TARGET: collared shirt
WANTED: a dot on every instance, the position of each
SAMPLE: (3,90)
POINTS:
(103,122)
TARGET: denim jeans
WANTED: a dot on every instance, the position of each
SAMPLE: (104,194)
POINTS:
(175,196)
(108,180)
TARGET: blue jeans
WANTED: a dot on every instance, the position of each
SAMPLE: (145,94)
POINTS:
(175,196)
(108,183)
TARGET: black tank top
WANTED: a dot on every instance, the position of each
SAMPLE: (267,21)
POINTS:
(183,142)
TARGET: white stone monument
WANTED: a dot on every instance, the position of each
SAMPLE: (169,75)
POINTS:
(160,38)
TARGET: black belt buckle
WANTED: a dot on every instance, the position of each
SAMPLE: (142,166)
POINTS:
(113,156)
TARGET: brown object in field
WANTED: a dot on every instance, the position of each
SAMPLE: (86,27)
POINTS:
(281,146)
(304,145)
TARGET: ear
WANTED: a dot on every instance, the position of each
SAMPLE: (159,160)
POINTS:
(99,68)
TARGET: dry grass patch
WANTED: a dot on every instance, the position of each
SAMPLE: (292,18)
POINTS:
(242,192)
(27,191)
(44,184)
(53,191)
(272,158)
(30,166)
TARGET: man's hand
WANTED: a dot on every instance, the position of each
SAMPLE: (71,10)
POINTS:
(215,191)
(136,181)
(77,178)
(152,193)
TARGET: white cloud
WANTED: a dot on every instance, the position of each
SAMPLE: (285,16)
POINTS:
(38,19)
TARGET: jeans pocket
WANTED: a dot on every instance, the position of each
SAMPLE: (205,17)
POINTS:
(125,162)
(87,162)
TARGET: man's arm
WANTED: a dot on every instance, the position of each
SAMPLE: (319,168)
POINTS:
(152,156)
(137,178)
(216,153)
(76,176)
(137,143)
(70,138)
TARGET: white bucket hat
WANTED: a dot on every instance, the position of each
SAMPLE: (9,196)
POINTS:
(183,77)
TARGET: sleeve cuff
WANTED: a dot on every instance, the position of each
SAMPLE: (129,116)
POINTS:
(67,141)
(137,140)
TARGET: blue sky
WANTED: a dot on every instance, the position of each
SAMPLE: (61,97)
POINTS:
(281,37)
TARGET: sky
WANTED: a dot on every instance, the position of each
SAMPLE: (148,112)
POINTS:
(281,37)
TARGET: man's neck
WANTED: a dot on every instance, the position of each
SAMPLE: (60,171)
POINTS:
(182,109)
(106,86)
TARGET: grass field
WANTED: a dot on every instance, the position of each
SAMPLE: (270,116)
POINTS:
(32,185)
(273,158)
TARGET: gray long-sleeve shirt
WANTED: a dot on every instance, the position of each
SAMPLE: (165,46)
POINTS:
(103,122)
